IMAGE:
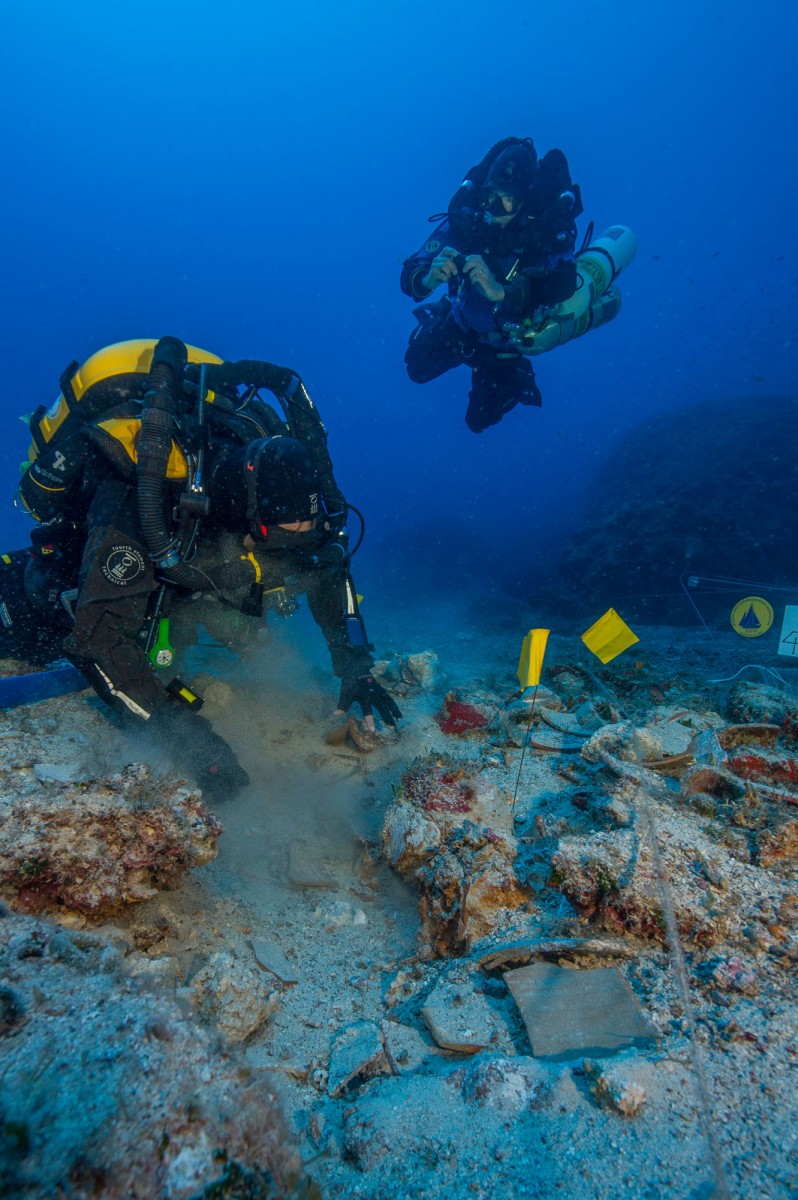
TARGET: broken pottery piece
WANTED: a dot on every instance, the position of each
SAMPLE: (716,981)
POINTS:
(571,1012)
(565,722)
(270,957)
(406,1049)
(357,1055)
(554,742)
(460,1019)
(303,870)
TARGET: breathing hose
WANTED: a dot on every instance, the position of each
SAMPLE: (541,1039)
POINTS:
(154,447)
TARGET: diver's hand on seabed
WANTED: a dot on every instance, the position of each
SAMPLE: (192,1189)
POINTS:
(365,691)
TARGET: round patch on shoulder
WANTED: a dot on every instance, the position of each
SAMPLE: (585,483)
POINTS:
(123,565)
(433,246)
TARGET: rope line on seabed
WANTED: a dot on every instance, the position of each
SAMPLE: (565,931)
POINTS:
(708,1126)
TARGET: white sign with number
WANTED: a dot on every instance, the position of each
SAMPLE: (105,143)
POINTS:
(788,643)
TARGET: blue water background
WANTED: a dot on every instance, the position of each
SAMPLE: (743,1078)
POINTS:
(248,176)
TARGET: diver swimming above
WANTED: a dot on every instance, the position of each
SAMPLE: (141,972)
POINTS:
(169,495)
(505,250)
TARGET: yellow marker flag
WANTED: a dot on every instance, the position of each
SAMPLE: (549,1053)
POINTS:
(609,637)
(531,662)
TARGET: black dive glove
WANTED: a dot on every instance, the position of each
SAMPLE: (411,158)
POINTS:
(196,747)
(364,690)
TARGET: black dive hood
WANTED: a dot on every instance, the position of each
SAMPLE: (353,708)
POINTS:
(267,483)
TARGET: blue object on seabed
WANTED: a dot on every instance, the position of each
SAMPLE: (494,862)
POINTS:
(41,685)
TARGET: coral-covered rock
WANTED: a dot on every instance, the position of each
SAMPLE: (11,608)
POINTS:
(757,703)
(461,717)
(450,831)
(91,847)
(610,878)
(117,1090)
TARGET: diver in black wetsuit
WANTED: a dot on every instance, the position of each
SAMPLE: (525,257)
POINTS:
(151,509)
(505,250)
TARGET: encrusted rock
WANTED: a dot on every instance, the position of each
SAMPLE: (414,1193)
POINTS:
(408,673)
(759,704)
(450,830)
(95,846)
(620,1086)
(508,1084)
(610,878)
(234,995)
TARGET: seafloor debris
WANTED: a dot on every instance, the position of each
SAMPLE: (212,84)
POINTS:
(621,1085)
(94,845)
(234,995)
(132,1099)
(404,673)
(450,830)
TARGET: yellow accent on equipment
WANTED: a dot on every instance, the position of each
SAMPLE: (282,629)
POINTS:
(595,301)
(126,430)
(609,637)
(255,565)
(123,358)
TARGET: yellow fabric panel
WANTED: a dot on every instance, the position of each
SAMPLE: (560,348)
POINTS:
(126,430)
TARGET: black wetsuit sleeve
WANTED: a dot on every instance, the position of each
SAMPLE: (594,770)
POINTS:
(326,593)
(416,266)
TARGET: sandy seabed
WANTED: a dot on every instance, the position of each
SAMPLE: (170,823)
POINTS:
(300,889)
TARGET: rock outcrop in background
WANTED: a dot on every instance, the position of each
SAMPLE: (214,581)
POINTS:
(706,489)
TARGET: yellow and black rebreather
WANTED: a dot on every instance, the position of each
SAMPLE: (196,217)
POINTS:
(110,377)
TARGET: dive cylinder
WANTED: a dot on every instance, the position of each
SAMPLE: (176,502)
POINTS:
(594,303)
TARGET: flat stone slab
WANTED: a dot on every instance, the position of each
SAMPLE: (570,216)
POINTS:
(357,1055)
(569,1013)
(304,871)
(269,957)
(459,1019)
